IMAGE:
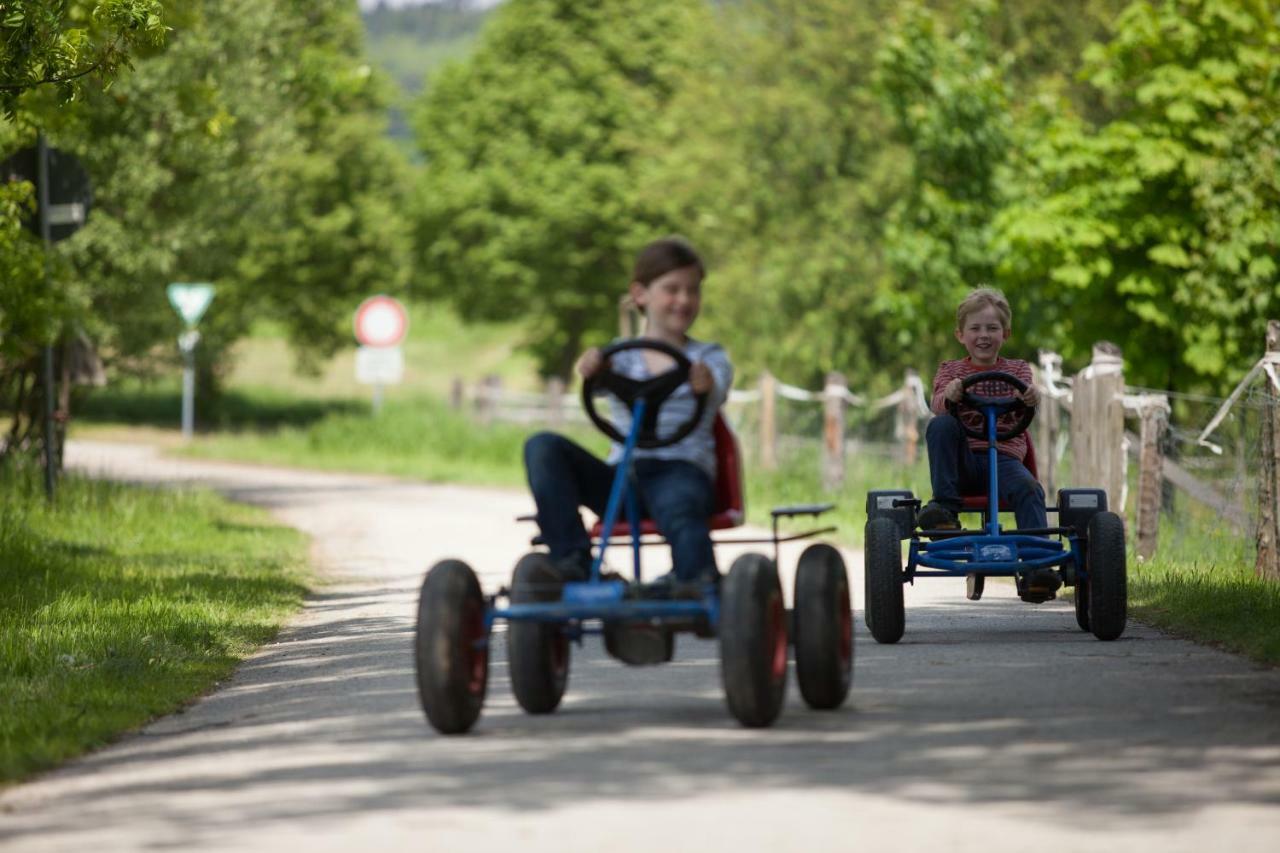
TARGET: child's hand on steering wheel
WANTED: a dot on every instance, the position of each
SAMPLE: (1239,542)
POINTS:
(1031,396)
(954,390)
(700,379)
(589,363)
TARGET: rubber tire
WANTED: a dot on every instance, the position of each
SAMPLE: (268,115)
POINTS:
(1082,603)
(1108,583)
(753,641)
(823,628)
(452,672)
(885,614)
(537,652)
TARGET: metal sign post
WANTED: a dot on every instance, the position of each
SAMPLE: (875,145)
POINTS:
(64,197)
(190,300)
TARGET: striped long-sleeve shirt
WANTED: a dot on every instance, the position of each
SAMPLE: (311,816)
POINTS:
(959,369)
(699,447)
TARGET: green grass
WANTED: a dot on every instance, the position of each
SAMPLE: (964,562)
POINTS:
(1201,585)
(421,439)
(121,604)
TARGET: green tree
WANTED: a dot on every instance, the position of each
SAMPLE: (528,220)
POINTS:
(1159,229)
(773,160)
(532,148)
(64,42)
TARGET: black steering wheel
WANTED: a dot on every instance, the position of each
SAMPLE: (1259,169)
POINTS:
(1002,405)
(654,391)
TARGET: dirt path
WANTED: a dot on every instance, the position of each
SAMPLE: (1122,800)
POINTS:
(994,725)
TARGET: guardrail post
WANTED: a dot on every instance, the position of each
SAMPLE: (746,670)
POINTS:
(1154,411)
(1268,562)
(834,395)
(768,421)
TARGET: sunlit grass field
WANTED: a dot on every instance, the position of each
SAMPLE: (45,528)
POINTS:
(121,604)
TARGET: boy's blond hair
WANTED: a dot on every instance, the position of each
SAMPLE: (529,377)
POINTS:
(984,297)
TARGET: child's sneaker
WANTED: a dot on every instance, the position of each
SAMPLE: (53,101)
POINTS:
(935,516)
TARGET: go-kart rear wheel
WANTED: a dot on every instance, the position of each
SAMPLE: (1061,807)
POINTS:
(753,641)
(537,652)
(885,614)
(1108,592)
(451,650)
(823,628)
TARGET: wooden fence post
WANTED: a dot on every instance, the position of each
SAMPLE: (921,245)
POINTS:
(1097,425)
(555,402)
(1154,411)
(833,401)
(768,421)
(455,394)
(1268,562)
(907,429)
(1049,423)
(487,394)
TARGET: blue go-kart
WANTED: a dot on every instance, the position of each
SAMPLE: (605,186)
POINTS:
(1086,550)
(545,616)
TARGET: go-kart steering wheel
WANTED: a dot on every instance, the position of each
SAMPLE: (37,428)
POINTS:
(1003,405)
(654,391)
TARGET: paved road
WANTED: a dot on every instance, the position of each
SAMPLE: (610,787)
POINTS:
(992,726)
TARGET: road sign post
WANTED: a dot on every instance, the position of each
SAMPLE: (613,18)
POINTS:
(380,325)
(64,195)
(190,300)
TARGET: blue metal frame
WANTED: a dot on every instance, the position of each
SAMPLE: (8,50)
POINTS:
(601,599)
(992,552)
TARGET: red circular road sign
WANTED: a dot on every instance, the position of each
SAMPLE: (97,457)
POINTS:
(381,321)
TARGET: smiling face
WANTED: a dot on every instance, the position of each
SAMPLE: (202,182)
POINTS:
(670,303)
(983,332)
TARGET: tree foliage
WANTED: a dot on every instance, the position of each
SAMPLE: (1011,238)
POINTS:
(63,42)
(532,155)
(1159,228)
(248,152)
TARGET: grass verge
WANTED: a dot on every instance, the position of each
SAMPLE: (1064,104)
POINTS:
(121,604)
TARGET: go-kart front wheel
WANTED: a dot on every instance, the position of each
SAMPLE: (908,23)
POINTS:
(1108,591)
(451,650)
(753,641)
(823,628)
(885,614)
(537,652)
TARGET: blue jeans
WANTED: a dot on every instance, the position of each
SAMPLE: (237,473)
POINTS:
(677,495)
(957,470)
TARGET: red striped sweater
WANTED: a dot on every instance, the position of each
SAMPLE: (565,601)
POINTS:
(948,370)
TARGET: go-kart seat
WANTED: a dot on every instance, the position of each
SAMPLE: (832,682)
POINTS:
(728,508)
(978,502)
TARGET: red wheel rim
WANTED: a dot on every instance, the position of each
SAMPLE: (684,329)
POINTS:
(778,636)
(477,661)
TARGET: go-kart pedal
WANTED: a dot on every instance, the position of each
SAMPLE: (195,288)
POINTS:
(1038,586)
(639,643)
(935,516)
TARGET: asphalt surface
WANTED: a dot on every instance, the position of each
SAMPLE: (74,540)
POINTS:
(993,725)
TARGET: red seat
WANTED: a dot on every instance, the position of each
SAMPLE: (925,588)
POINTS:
(729,505)
(978,503)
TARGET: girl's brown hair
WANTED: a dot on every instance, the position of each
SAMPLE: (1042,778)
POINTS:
(663,256)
